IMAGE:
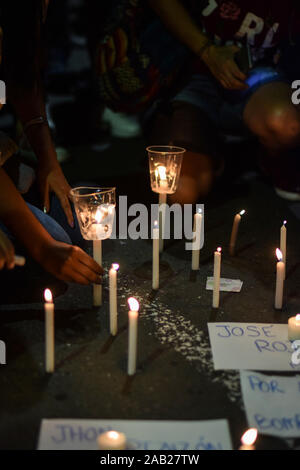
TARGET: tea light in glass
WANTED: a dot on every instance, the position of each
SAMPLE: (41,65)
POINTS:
(95,210)
(165,165)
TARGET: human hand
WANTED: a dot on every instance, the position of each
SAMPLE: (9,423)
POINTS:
(70,263)
(50,177)
(220,61)
(7,252)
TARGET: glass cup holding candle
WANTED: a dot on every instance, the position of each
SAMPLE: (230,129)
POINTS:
(95,210)
(165,166)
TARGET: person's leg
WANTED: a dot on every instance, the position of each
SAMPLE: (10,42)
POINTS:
(272,117)
(191,121)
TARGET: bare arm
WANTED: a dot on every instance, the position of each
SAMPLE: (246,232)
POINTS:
(29,104)
(66,262)
(186,29)
(220,60)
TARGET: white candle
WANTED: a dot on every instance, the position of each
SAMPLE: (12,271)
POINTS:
(112,440)
(217,276)
(279,280)
(97,250)
(19,260)
(49,331)
(196,240)
(162,220)
(294,328)
(234,232)
(132,334)
(248,439)
(283,232)
(113,304)
(155,256)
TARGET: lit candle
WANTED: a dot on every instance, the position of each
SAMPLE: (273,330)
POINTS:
(155,257)
(283,232)
(49,330)
(294,328)
(132,335)
(279,280)
(217,276)
(196,240)
(113,304)
(19,260)
(161,175)
(248,439)
(234,232)
(112,440)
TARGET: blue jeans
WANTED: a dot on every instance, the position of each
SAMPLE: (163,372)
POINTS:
(26,284)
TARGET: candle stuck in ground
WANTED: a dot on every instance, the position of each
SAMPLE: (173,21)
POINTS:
(279,280)
(196,240)
(132,334)
(113,303)
(234,232)
(294,328)
(217,277)
(155,256)
(49,331)
(112,440)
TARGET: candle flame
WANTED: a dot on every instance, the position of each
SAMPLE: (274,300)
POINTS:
(199,211)
(162,172)
(219,249)
(298,317)
(113,435)
(133,304)
(243,212)
(155,224)
(279,254)
(115,266)
(48,295)
(98,215)
(249,437)
(284,222)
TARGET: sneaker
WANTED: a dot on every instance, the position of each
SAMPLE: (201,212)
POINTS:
(124,126)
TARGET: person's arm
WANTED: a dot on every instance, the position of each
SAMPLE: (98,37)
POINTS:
(220,60)
(7,252)
(66,262)
(29,104)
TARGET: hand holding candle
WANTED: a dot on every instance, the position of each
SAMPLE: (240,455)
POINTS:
(279,280)
(234,233)
(113,304)
(132,335)
(49,331)
(217,278)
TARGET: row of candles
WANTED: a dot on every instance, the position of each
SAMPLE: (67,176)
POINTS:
(114,440)
(293,323)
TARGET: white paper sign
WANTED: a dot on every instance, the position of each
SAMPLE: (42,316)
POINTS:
(226,285)
(69,434)
(252,346)
(272,403)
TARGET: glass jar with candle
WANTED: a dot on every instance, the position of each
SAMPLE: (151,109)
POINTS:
(95,210)
(165,166)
